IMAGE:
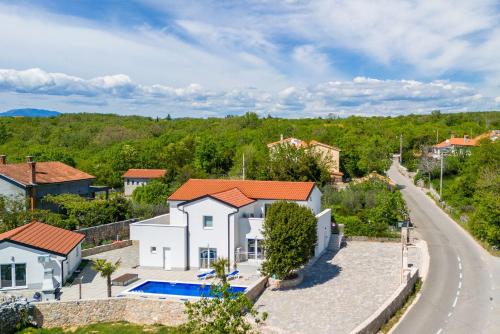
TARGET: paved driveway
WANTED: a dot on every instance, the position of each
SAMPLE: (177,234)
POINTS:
(339,292)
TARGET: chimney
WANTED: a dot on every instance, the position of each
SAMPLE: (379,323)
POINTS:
(3,159)
(466,138)
(281,137)
(32,164)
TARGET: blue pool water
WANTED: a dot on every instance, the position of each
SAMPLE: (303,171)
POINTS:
(178,289)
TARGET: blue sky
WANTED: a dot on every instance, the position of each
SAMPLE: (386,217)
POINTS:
(284,58)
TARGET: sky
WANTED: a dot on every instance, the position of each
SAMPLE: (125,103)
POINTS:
(290,58)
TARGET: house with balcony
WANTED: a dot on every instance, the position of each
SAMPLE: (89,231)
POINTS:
(330,155)
(221,218)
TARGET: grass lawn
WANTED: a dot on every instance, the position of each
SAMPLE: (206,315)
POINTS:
(108,328)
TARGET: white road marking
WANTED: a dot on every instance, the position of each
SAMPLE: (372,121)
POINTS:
(439,331)
(458,257)
(460,275)
(455,302)
(458,293)
(449,314)
(460,265)
(459,285)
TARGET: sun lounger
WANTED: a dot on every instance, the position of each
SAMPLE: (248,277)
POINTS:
(235,274)
(206,275)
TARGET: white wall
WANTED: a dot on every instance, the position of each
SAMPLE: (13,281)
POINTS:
(130,184)
(160,236)
(13,253)
(72,261)
(323,230)
(217,237)
(8,188)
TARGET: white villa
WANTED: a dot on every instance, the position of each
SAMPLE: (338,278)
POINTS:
(220,218)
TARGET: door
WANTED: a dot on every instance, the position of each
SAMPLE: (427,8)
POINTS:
(167,258)
(6,276)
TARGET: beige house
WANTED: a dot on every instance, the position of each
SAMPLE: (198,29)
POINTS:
(329,154)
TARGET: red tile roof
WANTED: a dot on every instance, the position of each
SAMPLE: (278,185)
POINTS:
(234,197)
(42,236)
(46,172)
(145,173)
(253,190)
(457,142)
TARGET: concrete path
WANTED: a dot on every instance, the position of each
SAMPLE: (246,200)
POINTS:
(462,291)
(339,292)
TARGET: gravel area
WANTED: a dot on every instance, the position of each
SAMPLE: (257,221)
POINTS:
(339,292)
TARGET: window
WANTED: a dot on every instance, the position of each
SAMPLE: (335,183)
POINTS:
(20,272)
(153,249)
(208,222)
(207,256)
(6,275)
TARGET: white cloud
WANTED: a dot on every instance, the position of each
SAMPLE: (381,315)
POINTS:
(359,96)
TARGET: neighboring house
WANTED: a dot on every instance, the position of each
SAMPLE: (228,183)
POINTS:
(221,218)
(329,154)
(38,256)
(462,145)
(134,178)
(35,180)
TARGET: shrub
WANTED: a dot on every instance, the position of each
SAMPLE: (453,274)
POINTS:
(289,238)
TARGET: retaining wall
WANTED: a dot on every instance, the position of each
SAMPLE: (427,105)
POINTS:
(96,234)
(106,248)
(256,290)
(389,308)
(377,239)
(86,312)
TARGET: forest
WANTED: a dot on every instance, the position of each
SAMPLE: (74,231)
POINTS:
(106,145)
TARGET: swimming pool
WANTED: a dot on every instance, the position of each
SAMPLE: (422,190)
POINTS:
(190,290)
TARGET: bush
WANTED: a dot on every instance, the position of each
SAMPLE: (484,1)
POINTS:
(155,192)
(289,238)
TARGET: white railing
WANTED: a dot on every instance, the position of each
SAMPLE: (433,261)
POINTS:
(249,256)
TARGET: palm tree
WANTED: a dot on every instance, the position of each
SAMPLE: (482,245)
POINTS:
(106,269)
(220,268)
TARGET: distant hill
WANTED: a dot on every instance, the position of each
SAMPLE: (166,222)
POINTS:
(29,112)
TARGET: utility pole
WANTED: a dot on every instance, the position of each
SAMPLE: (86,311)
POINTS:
(243,166)
(401,148)
(441,179)
(437,136)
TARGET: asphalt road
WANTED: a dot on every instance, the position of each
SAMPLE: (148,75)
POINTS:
(461,293)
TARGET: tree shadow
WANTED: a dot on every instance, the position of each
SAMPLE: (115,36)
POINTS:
(322,271)
(88,274)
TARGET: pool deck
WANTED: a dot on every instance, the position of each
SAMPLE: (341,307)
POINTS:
(95,286)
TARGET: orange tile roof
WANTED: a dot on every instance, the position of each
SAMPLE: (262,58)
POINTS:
(42,236)
(252,190)
(46,172)
(145,173)
(314,142)
(234,197)
(458,142)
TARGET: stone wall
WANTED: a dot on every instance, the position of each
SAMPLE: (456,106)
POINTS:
(85,312)
(377,239)
(256,290)
(13,311)
(106,248)
(373,324)
(96,234)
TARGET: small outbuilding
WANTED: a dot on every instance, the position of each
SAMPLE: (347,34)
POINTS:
(134,178)
(38,256)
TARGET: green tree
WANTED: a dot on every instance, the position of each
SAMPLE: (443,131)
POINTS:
(155,192)
(289,163)
(4,134)
(225,314)
(289,238)
(106,269)
(219,266)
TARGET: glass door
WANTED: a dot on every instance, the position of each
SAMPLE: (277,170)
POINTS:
(207,256)
(6,276)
